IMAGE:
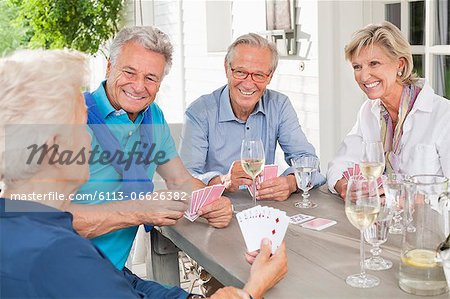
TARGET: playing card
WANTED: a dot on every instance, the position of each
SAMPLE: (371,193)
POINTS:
(350,171)
(346,175)
(279,224)
(215,193)
(262,222)
(194,200)
(300,218)
(318,224)
(269,172)
(356,169)
(202,197)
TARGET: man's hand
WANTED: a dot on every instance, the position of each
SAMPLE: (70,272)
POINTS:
(161,212)
(267,270)
(218,213)
(341,187)
(235,177)
(279,188)
(230,293)
(251,256)
(95,220)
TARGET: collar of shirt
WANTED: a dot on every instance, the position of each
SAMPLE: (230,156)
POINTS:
(423,102)
(34,210)
(226,111)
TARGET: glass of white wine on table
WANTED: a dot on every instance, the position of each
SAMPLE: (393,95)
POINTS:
(252,160)
(362,205)
(372,161)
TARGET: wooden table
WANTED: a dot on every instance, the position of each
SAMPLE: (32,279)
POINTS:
(319,261)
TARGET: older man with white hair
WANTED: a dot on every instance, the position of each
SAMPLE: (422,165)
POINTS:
(216,123)
(128,126)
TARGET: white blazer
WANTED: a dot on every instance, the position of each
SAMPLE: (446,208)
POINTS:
(424,146)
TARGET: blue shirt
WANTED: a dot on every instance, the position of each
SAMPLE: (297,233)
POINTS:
(212,135)
(106,181)
(41,256)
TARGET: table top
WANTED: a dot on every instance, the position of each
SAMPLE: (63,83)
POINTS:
(318,261)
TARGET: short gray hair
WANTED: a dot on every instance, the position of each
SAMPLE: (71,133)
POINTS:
(37,87)
(254,40)
(387,36)
(149,37)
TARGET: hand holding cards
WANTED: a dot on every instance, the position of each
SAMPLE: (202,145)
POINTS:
(201,198)
(269,172)
(260,222)
(356,172)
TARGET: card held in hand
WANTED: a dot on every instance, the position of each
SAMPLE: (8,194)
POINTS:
(201,198)
(269,172)
(260,222)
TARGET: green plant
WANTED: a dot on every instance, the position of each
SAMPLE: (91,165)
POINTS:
(83,25)
(11,35)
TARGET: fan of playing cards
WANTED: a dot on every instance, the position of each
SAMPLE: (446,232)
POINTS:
(201,198)
(260,222)
(355,171)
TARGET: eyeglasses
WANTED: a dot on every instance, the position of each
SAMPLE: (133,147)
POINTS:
(242,75)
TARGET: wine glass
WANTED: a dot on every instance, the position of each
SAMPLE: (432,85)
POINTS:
(362,205)
(372,161)
(252,161)
(305,170)
(376,234)
(393,185)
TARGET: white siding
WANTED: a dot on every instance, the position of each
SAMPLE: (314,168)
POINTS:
(196,72)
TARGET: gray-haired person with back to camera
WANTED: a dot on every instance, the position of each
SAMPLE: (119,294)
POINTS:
(41,254)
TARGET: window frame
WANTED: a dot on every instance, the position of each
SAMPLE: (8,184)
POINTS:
(428,50)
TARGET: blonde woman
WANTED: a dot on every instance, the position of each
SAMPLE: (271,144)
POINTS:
(402,110)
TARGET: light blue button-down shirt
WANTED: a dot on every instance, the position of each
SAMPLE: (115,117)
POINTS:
(212,134)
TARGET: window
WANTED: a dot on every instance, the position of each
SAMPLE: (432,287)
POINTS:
(426,24)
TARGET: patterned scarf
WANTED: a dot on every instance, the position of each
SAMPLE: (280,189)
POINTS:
(390,136)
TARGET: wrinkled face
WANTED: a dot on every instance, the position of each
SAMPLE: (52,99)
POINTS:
(245,93)
(376,73)
(133,82)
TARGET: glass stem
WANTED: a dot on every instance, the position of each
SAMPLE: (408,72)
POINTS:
(361,253)
(254,191)
(376,250)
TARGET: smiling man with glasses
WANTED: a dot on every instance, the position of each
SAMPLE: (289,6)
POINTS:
(216,123)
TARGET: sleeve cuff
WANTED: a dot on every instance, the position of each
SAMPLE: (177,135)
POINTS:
(206,177)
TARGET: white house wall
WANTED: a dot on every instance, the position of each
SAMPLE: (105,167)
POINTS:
(203,72)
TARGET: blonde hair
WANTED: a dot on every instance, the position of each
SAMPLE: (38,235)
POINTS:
(387,36)
(37,87)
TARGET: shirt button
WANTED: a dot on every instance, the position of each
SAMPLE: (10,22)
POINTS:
(248,128)
(130,133)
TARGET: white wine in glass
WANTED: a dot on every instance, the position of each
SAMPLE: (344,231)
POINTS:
(362,205)
(252,160)
(372,161)
(253,167)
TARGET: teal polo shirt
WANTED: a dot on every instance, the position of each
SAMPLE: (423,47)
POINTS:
(105,181)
